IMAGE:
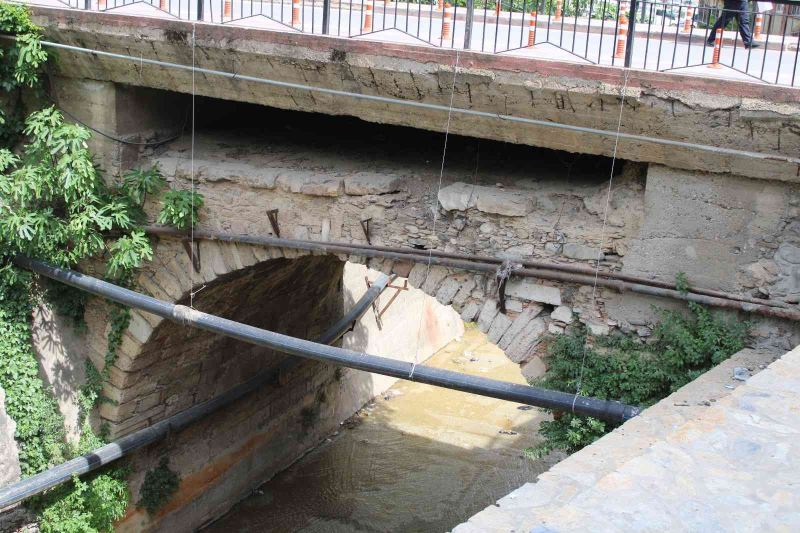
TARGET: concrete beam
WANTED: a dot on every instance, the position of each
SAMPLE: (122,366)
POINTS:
(732,114)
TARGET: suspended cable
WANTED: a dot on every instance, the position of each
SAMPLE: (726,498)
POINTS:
(435,208)
(593,301)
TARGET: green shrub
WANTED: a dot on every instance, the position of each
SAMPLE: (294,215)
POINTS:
(621,367)
(159,485)
(179,208)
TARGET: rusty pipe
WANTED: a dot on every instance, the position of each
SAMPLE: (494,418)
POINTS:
(548,273)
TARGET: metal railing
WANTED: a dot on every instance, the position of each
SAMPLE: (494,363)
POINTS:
(644,34)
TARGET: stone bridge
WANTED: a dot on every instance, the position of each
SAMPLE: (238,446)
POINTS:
(730,221)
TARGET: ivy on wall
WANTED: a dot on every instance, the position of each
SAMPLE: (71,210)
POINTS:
(55,206)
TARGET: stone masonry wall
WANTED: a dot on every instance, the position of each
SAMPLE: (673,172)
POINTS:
(515,214)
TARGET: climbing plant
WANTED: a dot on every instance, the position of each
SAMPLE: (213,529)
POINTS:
(159,485)
(622,367)
(55,206)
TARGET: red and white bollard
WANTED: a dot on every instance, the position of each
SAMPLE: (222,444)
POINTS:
(101,4)
(758,27)
(717,50)
(687,22)
(367,19)
(296,13)
(557,18)
(622,34)
(532,29)
(497,6)
(226,10)
(162,5)
(447,24)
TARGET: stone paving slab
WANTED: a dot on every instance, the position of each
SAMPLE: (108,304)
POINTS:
(707,458)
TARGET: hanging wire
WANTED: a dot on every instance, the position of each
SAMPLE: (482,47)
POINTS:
(436,210)
(192,292)
(593,301)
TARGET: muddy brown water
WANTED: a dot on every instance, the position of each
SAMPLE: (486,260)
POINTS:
(419,458)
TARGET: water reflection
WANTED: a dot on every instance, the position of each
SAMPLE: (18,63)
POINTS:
(420,458)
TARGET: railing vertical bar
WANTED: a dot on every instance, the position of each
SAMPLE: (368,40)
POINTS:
(602,31)
(660,43)
(510,21)
(574,28)
(631,33)
(647,41)
(796,53)
(783,42)
(468,19)
(522,21)
(589,29)
(766,47)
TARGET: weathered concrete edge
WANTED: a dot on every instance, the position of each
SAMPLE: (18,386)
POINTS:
(582,469)
(470,59)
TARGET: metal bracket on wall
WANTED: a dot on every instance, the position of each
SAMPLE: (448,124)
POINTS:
(365,228)
(398,289)
(273,220)
(193,251)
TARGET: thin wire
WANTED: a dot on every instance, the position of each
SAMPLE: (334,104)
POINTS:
(603,230)
(108,135)
(435,212)
(191,173)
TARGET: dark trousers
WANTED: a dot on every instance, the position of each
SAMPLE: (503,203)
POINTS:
(737,9)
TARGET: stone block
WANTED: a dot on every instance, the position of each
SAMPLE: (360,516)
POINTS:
(435,276)
(526,289)
(470,311)
(488,312)
(522,346)
(519,324)
(464,292)
(363,183)
(448,290)
(582,252)
(462,196)
(499,326)
(563,314)
(310,183)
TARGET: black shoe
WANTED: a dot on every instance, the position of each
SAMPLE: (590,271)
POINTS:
(752,45)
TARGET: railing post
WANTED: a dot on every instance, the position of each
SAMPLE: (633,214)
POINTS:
(326,17)
(631,33)
(468,24)
(200,9)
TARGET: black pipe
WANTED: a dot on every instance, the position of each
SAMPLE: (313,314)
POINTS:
(556,400)
(25,488)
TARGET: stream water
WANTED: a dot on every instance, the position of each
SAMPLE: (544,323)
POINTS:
(419,458)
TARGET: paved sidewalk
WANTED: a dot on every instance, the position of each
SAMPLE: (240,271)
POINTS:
(726,463)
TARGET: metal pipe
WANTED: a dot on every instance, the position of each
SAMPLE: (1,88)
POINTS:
(36,484)
(514,392)
(563,267)
(540,273)
(434,107)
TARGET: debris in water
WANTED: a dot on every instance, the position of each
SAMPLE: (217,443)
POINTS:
(524,407)
(507,432)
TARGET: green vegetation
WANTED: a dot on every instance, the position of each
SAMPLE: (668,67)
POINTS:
(55,206)
(179,209)
(159,485)
(621,367)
